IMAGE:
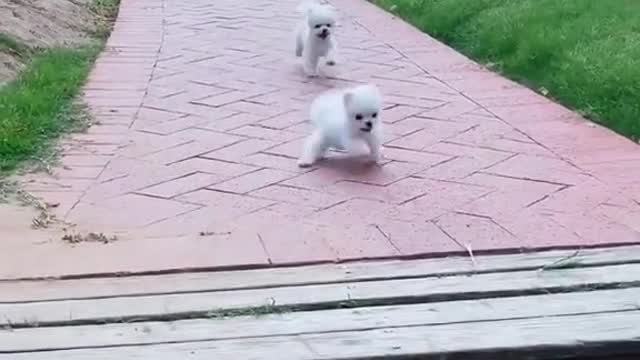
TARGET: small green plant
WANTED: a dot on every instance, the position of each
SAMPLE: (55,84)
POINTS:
(256,311)
(106,11)
(108,8)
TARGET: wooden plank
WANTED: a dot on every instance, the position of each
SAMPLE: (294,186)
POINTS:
(22,291)
(569,331)
(69,337)
(534,334)
(433,289)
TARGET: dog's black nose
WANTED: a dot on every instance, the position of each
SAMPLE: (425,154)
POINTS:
(369,124)
(324,31)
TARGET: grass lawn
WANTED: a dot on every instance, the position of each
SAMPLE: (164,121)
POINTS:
(39,104)
(586,53)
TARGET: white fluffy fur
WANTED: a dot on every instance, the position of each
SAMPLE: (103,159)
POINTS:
(314,36)
(342,117)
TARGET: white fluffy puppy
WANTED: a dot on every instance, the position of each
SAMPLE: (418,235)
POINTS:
(314,36)
(342,117)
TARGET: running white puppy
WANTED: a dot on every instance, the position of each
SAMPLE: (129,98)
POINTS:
(341,118)
(314,36)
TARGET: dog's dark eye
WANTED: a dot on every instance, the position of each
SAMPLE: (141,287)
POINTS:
(374,115)
(328,25)
(358,116)
(317,26)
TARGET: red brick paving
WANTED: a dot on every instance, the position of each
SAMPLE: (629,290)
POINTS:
(201,110)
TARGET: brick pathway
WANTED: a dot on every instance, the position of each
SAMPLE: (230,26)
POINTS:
(201,108)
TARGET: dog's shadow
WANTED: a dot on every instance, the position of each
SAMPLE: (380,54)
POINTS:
(327,75)
(353,165)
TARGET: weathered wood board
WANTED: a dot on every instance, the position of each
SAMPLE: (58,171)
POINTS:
(526,306)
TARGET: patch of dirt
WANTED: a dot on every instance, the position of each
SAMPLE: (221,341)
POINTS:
(43,24)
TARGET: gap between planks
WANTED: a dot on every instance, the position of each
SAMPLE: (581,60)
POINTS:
(289,324)
(560,336)
(441,302)
(95,288)
(309,297)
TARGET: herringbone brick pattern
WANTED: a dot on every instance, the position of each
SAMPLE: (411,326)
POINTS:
(202,112)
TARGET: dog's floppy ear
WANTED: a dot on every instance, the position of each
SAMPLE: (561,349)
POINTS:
(347,98)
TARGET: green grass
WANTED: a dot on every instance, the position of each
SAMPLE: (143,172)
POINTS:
(38,106)
(586,53)
(106,11)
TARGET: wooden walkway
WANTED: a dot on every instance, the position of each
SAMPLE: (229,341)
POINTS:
(537,306)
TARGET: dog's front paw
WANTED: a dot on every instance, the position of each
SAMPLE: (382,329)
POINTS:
(310,70)
(311,74)
(376,158)
(304,163)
